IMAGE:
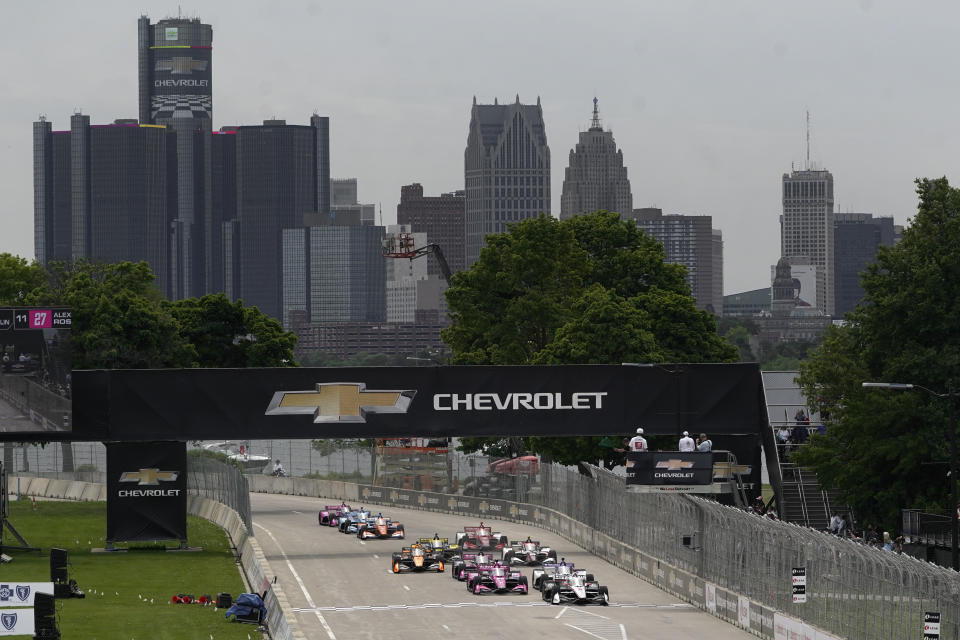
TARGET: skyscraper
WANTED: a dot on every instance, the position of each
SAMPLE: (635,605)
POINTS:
(176,90)
(807,227)
(595,178)
(276,186)
(857,237)
(104,193)
(693,242)
(507,169)
(441,218)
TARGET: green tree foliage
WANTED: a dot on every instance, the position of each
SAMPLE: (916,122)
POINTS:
(882,447)
(593,289)
(18,278)
(227,334)
(120,319)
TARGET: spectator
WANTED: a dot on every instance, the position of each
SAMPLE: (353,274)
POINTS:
(844,526)
(887,542)
(638,442)
(783,435)
(800,433)
(799,416)
(703,444)
(278,470)
(686,442)
(898,544)
(834,526)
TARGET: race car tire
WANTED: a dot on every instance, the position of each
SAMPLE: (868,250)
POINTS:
(526,586)
(503,540)
(552,555)
(455,572)
(508,555)
(360,531)
(606,595)
(470,584)
(401,531)
(590,578)
(320,519)
(546,587)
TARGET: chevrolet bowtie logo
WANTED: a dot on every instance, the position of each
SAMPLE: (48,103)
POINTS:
(149,476)
(339,402)
(181,65)
(674,465)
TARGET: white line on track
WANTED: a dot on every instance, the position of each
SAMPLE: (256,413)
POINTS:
(445,627)
(590,613)
(406,587)
(299,513)
(585,631)
(376,556)
(562,611)
(623,632)
(303,587)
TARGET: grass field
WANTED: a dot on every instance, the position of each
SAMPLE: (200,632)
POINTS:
(128,593)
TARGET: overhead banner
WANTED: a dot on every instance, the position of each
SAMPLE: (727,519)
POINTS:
(20,594)
(35,370)
(146,491)
(669,468)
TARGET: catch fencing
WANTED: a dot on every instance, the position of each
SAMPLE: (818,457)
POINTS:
(853,591)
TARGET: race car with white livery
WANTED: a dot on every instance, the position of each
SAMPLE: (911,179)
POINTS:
(529,553)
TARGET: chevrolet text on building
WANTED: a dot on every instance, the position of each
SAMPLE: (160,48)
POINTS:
(517,401)
(181,83)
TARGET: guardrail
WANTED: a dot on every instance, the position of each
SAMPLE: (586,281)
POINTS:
(732,563)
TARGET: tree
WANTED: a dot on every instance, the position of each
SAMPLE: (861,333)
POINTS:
(885,449)
(227,334)
(593,289)
(18,278)
(119,320)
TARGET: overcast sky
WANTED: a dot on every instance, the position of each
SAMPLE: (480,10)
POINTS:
(705,98)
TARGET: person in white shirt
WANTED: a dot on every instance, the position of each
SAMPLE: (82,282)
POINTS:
(686,442)
(638,442)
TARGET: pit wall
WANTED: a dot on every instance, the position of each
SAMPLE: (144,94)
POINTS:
(281,621)
(760,620)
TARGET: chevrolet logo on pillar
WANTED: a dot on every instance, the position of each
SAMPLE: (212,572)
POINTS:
(339,402)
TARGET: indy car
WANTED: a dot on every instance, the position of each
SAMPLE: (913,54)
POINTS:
(351,521)
(551,571)
(578,587)
(330,515)
(416,557)
(379,527)
(529,552)
(497,578)
(469,562)
(480,538)
(449,552)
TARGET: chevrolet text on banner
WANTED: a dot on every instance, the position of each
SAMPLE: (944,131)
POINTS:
(20,594)
(146,491)
(669,468)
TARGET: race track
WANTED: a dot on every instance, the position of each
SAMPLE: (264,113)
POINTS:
(342,588)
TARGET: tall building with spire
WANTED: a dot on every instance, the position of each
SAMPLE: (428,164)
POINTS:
(807,228)
(595,179)
(507,169)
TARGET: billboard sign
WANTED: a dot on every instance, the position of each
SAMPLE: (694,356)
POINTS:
(20,594)
(182,86)
(35,369)
(146,491)
(669,468)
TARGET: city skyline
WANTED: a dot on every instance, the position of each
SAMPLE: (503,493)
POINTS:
(706,101)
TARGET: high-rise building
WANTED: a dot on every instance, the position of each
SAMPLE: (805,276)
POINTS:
(276,187)
(807,227)
(343,191)
(857,237)
(104,193)
(595,179)
(176,90)
(693,242)
(507,170)
(441,218)
(333,274)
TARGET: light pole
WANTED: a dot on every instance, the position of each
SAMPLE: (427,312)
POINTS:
(954,515)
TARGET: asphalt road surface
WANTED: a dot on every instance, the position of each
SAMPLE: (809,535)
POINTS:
(12,419)
(342,588)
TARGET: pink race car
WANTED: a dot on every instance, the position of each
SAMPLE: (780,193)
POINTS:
(496,578)
(330,515)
